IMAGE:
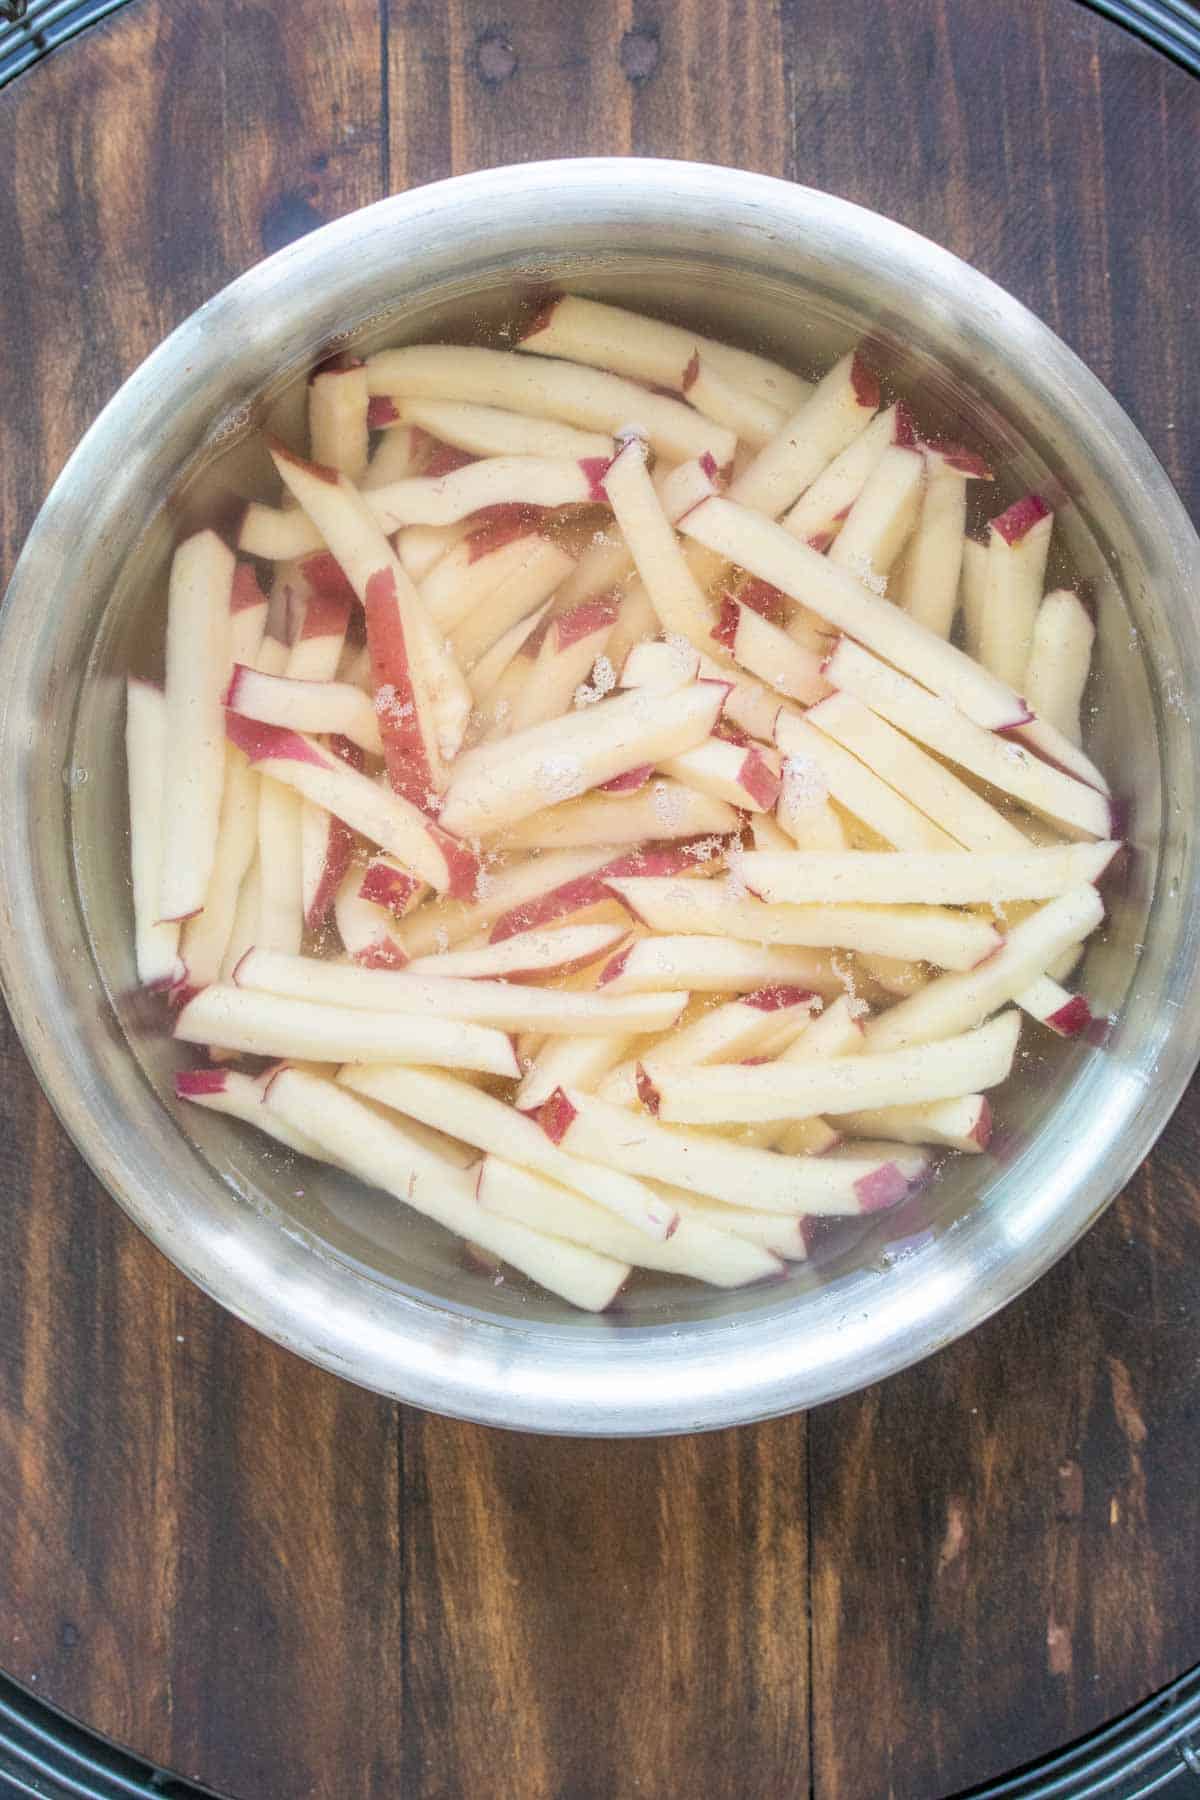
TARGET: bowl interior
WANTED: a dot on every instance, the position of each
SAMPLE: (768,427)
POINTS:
(806,321)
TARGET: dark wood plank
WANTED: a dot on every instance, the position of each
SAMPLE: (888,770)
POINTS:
(203,1531)
(990,1531)
(596,1620)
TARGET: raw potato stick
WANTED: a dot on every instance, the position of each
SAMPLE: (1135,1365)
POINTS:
(365,928)
(565,659)
(878,524)
(964,1124)
(926,783)
(741,775)
(384,817)
(767,551)
(501,481)
(260,1024)
(422,548)
(490,431)
(713,1167)
(931,934)
(553,390)
(675,595)
(499,1130)
(500,784)
(1065,1014)
(156,941)
(1048,791)
(484,678)
(761,1023)
(769,654)
(247,616)
(973,595)
(695,1248)
(381,1153)
(1059,658)
(712,965)
(494,1003)
(241,1096)
(530,953)
(925,582)
(401,452)
(479,566)
(895,878)
(650,350)
(839,408)
(206,935)
(318,706)
(946,1070)
(513,599)
(198,649)
(337,419)
(955,1003)
(245,919)
(580,1062)
(776,1233)
(821,510)
(527,883)
(816,763)
(427,700)
(660,809)
(1018,544)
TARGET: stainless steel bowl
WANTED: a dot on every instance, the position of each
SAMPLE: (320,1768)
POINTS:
(343,1277)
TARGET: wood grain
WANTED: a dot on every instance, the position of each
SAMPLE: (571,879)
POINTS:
(288,1589)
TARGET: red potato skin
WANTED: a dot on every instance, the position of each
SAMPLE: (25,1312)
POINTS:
(595,468)
(445,458)
(556,1116)
(865,383)
(759,779)
(383,955)
(587,889)
(881,1189)
(609,972)
(319,471)
(628,783)
(983,1130)
(1072,1019)
(190,1083)
(771,603)
(405,752)
(339,848)
(245,591)
(541,318)
(646,1091)
(1020,518)
(778,998)
(588,617)
(381,412)
(905,431)
(724,632)
(496,526)
(388,887)
(262,743)
(325,577)
(960,458)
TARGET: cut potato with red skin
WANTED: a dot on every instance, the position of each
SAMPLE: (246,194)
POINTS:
(635,816)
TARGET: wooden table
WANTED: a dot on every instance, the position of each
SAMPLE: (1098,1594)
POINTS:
(283,1587)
